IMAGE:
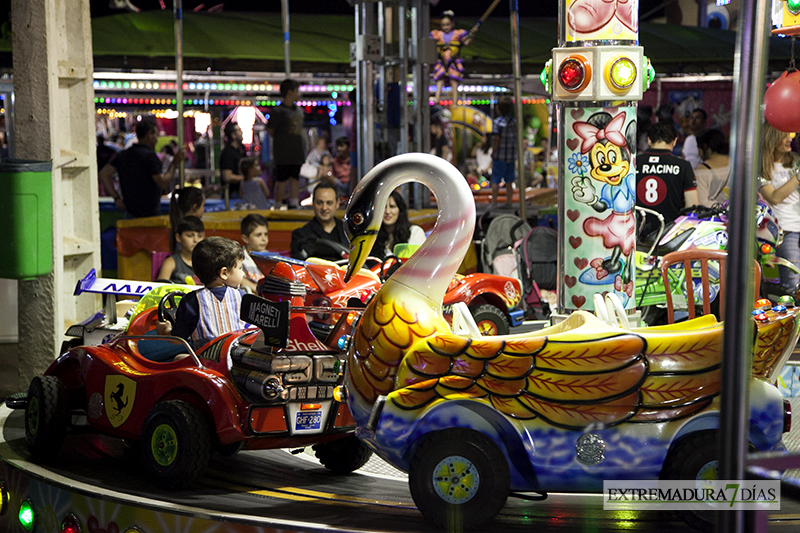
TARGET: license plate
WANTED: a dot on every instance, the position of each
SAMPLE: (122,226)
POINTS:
(308,420)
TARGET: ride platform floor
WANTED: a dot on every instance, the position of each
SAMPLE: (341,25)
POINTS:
(276,490)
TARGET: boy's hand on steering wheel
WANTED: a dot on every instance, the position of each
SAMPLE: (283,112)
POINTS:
(163,328)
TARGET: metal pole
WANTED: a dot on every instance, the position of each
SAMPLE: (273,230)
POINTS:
(384,33)
(177,9)
(514,8)
(287,69)
(422,95)
(748,92)
(402,40)
(365,25)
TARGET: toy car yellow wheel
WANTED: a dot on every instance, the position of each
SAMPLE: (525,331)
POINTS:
(695,457)
(176,443)
(459,479)
(45,416)
(490,320)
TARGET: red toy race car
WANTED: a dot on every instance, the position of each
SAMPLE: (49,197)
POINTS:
(491,299)
(266,387)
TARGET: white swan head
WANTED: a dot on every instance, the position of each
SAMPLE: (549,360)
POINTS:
(433,265)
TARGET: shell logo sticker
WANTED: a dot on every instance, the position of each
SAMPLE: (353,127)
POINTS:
(119,395)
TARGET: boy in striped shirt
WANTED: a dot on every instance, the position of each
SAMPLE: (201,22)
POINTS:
(213,310)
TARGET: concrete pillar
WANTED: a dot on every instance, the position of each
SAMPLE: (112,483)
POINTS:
(54,120)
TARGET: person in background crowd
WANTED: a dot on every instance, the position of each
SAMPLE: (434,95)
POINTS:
(325,170)
(324,225)
(288,154)
(697,125)
(104,154)
(396,228)
(177,268)
(254,190)
(350,124)
(644,121)
(664,182)
(185,202)
(167,153)
(341,165)
(504,149)
(482,152)
(230,156)
(778,184)
(449,66)
(255,236)
(142,180)
(441,148)
(320,149)
(712,173)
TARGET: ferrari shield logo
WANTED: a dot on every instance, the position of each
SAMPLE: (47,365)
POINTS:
(119,395)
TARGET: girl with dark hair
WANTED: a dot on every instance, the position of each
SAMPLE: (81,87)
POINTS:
(254,190)
(712,173)
(396,228)
(177,268)
(185,202)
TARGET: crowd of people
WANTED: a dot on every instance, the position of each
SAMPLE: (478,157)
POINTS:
(669,177)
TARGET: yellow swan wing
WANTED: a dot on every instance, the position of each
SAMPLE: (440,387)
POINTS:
(693,351)
(774,342)
(589,353)
(664,391)
(388,329)
(586,387)
(578,416)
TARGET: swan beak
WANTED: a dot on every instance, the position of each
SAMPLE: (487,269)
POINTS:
(360,247)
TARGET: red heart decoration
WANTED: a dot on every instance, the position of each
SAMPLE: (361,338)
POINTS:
(578,301)
(580,263)
(570,281)
(576,113)
(573,214)
(572,144)
(575,242)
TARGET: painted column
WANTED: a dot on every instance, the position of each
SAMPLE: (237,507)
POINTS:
(596,76)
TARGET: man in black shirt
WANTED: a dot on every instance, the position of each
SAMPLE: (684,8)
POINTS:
(664,182)
(323,227)
(141,179)
(230,156)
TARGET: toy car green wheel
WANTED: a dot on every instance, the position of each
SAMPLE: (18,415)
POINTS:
(342,456)
(45,416)
(176,443)
(459,479)
(490,320)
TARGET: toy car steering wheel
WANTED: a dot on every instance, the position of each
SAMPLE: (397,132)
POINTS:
(168,306)
(389,266)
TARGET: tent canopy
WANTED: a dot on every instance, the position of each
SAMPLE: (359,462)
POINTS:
(321,43)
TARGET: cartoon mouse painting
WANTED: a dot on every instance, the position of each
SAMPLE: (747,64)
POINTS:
(609,188)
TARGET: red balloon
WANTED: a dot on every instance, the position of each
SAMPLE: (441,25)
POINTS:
(782,102)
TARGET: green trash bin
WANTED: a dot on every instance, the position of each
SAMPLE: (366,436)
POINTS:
(26,218)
